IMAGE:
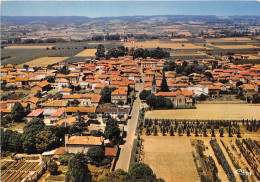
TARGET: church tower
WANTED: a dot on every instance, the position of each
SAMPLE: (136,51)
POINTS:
(154,87)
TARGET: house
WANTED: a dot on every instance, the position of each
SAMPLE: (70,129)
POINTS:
(214,90)
(34,102)
(113,112)
(178,98)
(83,110)
(38,113)
(61,112)
(119,95)
(62,83)
(41,86)
(70,121)
(75,144)
(66,91)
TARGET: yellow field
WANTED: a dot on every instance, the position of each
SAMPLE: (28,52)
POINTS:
(187,54)
(86,53)
(230,39)
(236,46)
(43,61)
(156,43)
(170,158)
(210,111)
(179,40)
(28,47)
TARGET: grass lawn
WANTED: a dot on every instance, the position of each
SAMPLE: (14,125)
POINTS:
(16,126)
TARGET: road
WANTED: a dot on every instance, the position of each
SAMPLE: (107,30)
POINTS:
(126,148)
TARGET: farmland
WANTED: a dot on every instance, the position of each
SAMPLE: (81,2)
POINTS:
(21,170)
(217,111)
(28,47)
(44,61)
(231,39)
(86,53)
(162,44)
(174,163)
(236,46)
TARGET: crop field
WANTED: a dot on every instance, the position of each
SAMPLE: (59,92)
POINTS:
(172,45)
(231,39)
(20,170)
(44,61)
(87,53)
(209,111)
(28,47)
(21,56)
(180,40)
(170,158)
(247,46)
(187,54)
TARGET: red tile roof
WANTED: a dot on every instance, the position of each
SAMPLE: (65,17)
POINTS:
(36,113)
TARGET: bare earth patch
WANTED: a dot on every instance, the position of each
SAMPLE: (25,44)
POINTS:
(209,111)
(170,158)
(28,47)
(44,61)
(86,53)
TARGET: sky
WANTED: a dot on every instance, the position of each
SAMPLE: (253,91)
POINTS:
(128,8)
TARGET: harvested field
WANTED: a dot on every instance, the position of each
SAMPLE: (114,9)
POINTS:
(210,111)
(170,158)
(188,54)
(44,61)
(172,45)
(231,39)
(28,47)
(179,40)
(87,53)
(236,46)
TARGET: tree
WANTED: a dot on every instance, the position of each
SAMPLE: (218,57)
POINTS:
(151,100)
(78,169)
(196,131)
(17,112)
(30,130)
(118,175)
(26,66)
(239,83)
(169,66)
(106,94)
(112,131)
(221,132)
(171,131)
(52,167)
(188,131)
(38,94)
(11,141)
(164,85)
(64,70)
(212,131)
(96,155)
(51,79)
(144,94)
(155,131)
(100,51)
(45,140)
(142,172)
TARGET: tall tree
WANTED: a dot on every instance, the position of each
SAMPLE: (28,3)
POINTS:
(106,94)
(45,140)
(96,155)
(100,51)
(142,172)
(18,112)
(78,169)
(164,85)
(112,130)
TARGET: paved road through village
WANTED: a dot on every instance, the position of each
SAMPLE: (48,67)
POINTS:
(126,148)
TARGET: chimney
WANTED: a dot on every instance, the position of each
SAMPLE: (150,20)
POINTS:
(66,139)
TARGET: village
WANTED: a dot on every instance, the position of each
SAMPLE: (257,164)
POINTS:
(167,98)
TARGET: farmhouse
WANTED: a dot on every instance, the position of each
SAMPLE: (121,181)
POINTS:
(178,98)
(76,144)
